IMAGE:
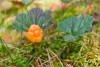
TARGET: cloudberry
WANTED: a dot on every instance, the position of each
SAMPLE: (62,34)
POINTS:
(35,33)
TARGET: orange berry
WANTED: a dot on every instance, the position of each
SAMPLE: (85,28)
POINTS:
(35,33)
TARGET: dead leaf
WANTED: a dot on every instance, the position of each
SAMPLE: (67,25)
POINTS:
(96,16)
(17,2)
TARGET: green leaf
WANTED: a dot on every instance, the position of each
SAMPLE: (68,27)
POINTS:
(83,25)
(67,24)
(76,26)
(34,16)
(39,17)
(45,20)
(22,22)
(27,2)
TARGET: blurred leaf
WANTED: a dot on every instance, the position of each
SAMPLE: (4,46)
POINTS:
(76,26)
(27,2)
(65,1)
(34,16)
(96,0)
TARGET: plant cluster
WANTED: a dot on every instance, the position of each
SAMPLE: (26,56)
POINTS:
(45,42)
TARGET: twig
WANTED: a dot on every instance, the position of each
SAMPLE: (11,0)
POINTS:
(4,60)
(32,65)
(37,61)
(57,58)
(40,61)
(50,59)
(11,47)
(68,60)
(51,65)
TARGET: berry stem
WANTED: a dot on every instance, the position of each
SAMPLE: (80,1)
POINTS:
(37,44)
